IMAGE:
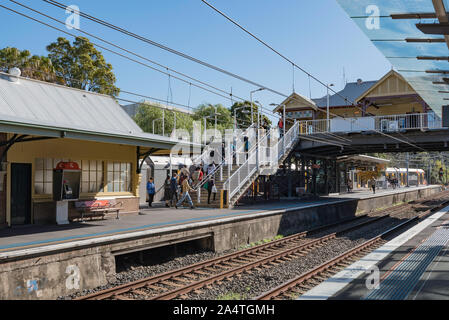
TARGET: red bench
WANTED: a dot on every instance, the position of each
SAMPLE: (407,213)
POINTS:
(98,208)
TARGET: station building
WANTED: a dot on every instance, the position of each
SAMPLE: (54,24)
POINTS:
(391,95)
(43,124)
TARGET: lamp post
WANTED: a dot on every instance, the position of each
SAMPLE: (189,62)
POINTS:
(259,105)
(235,114)
(155,121)
(251,97)
(174,125)
(327,123)
(205,128)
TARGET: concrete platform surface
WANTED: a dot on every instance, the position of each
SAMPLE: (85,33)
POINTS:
(413,266)
(19,238)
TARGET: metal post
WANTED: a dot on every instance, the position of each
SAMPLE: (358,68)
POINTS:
(327,115)
(215,130)
(163,122)
(408,163)
(174,127)
(252,112)
(205,130)
(284,124)
(229,164)
(235,120)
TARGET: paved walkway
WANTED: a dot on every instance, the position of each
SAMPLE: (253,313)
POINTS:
(18,238)
(413,266)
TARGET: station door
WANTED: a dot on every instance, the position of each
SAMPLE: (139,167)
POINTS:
(20,194)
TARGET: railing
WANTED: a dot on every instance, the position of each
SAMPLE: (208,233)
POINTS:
(239,154)
(258,157)
(389,123)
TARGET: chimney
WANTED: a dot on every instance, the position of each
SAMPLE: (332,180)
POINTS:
(359,81)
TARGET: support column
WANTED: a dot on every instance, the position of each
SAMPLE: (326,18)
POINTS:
(326,177)
(289,177)
(314,177)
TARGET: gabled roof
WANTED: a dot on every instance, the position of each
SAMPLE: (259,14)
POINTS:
(298,99)
(379,83)
(40,108)
(351,92)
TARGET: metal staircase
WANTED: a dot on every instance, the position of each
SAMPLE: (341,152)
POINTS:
(262,159)
(224,169)
(240,169)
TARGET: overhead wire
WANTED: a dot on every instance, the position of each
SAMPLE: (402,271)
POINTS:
(114,52)
(123,49)
(104,23)
(298,67)
(163,47)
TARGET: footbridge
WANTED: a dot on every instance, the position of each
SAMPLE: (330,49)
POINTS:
(378,134)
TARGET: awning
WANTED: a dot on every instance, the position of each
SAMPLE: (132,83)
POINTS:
(394,28)
(38,108)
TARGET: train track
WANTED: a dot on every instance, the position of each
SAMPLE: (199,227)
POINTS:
(178,283)
(310,279)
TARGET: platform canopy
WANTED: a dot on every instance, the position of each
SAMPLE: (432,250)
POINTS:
(414,36)
(362,160)
(37,108)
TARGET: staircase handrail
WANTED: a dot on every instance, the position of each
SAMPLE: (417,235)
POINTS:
(207,149)
(221,164)
(294,131)
(251,154)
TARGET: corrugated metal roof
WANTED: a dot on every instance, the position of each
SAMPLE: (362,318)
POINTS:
(39,102)
(45,106)
(351,92)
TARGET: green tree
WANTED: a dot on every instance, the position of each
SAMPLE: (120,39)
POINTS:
(82,66)
(207,111)
(148,113)
(35,67)
(243,114)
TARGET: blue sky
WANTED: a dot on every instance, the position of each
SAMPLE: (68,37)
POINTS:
(317,35)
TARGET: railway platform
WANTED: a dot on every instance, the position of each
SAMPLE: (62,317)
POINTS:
(47,256)
(412,266)
(18,238)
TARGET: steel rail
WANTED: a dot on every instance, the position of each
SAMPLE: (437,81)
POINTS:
(343,259)
(165,276)
(252,258)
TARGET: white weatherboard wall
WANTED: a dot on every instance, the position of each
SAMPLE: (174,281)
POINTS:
(352,124)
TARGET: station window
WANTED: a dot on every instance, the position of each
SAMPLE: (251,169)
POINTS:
(43,176)
(91,179)
(92,176)
(119,177)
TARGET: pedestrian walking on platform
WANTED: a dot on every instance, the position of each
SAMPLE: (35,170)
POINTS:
(211,188)
(167,191)
(372,184)
(151,190)
(173,189)
(185,194)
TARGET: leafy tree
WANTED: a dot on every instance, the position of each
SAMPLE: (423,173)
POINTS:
(207,111)
(147,113)
(82,66)
(243,114)
(35,67)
